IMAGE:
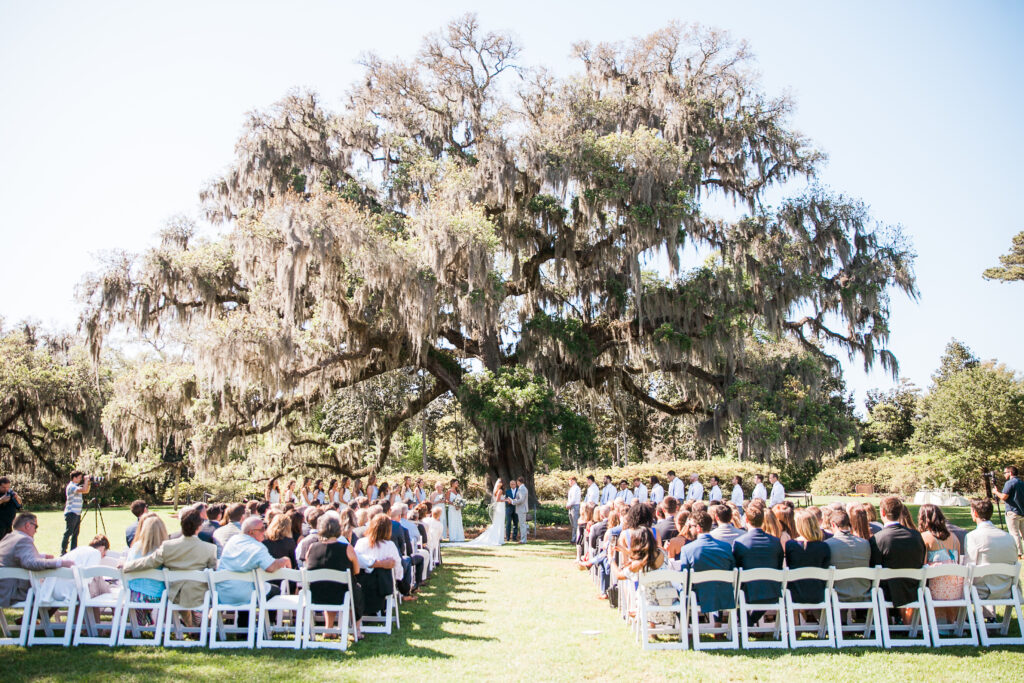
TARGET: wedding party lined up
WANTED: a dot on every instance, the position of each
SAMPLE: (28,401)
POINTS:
(726,574)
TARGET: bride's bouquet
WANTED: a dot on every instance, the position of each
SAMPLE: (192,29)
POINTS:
(458,502)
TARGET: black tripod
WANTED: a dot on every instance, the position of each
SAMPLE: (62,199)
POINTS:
(989,478)
(97,517)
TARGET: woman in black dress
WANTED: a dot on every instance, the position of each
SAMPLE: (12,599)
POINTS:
(329,553)
(808,550)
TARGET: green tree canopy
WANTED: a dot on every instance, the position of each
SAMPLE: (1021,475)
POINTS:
(1011,266)
(464,213)
(892,416)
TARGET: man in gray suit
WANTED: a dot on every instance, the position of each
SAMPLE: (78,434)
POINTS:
(18,550)
(522,504)
(848,552)
(726,530)
(989,545)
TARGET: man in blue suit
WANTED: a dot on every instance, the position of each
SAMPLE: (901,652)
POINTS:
(757,549)
(706,553)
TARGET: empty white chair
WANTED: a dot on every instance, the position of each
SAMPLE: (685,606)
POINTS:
(53,611)
(175,628)
(284,605)
(962,603)
(344,614)
(777,629)
(89,607)
(9,629)
(824,629)
(918,623)
(220,630)
(869,629)
(729,628)
(135,614)
(646,611)
(1010,601)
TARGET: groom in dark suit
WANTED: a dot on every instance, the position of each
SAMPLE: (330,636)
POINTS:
(511,518)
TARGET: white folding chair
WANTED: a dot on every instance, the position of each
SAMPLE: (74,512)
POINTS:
(345,615)
(777,630)
(54,613)
(1010,600)
(131,610)
(824,629)
(731,629)
(962,603)
(284,604)
(646,610)
(7,630)
(220,630)
(90,609)
(918,623)
(869,629)
(383,623)
(175,628)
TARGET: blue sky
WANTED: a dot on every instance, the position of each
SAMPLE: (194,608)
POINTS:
(113,114)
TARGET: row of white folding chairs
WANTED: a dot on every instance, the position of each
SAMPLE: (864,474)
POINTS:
(831,629)
(71,619)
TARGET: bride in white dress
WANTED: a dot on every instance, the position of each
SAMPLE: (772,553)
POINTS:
(495,533)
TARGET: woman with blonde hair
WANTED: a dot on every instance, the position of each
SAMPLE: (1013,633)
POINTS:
(808,549)
(773,527)
(151,534)
(371,487)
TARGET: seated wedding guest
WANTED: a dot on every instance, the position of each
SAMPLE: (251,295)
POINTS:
(435,527)
(848,551)
(757,549)
(897,547)
(298,524)
(644,555)
(184,553)
(773,526)
(18,550)
(214,515)
(873,522)
(942,548)
(988,544)
(599,527)
(245,552)
(808,549)
(784,515)
(278,539)
(138,508)
(820,515)
(328,553)
(585,520)
(704,553)
(906,519)
(400,537)
(235,514)
(674,546)
(665,528)
(859,524)
(380,559)
(726,530)
(311,519)
(150,535)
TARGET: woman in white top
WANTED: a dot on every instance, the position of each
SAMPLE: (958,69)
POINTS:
(333,492)
(437,499)
(306,492)
(371,488)
(456,534)
(346,494)
(357,489)
(319,494)
(289,493)
(376,552)
(495,532)
(273,491)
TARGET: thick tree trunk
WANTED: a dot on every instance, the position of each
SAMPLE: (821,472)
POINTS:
(511,456)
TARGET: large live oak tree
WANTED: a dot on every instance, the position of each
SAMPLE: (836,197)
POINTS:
(489,224)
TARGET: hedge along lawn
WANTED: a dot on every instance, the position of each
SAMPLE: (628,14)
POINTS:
(515,613)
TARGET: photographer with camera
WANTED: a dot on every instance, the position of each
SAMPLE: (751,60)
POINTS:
(10,503)
(79,485)
(1013,495)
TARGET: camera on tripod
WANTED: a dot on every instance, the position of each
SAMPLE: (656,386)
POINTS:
(989,478)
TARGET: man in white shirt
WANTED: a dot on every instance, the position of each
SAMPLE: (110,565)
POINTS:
(778,493)
(624,494)
(639,490)
(760,492)
(696,490)
(572,504)
(593,493)
(737,492)
(608,492)
(716,490)
(676,487)
(657,491)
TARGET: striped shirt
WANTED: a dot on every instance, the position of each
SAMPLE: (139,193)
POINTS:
(74,496)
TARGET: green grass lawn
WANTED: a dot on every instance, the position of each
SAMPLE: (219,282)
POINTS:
(512,613)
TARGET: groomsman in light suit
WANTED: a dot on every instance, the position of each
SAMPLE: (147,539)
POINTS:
(676,487)
(657,490)
(572,505)
(593,493)
(522,504)
(639,490)
(608,492)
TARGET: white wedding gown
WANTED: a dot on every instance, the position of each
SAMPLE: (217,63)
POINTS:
(495,533)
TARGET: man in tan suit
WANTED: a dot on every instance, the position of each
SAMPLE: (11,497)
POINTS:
(18,549)
(183,553)
(989,545)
